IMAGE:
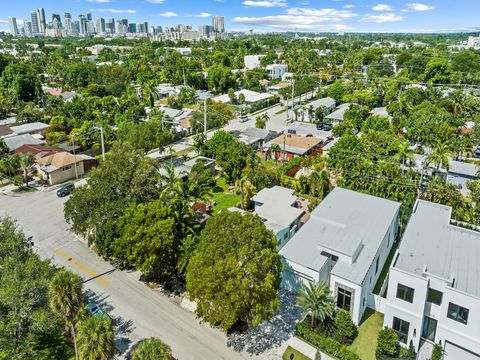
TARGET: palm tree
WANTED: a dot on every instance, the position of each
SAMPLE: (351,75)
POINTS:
(403,152)
(316,300)
(96,338)
(152,349)
(275,148)
(66,299)
(320,183)
(439,156)
(25,162)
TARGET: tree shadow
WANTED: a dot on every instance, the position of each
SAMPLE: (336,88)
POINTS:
(272,333)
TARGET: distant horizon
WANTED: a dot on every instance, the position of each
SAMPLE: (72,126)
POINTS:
(274,16)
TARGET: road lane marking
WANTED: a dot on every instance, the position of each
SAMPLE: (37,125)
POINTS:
(81,267)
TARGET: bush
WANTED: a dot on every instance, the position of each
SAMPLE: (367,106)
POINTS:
(387,342)
(346,331)
(328,345)
(437,352)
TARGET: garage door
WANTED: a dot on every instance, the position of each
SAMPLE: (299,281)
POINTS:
(454,352)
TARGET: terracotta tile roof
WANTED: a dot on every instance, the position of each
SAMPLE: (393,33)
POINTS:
(297,141)
(39,151)
(59,159)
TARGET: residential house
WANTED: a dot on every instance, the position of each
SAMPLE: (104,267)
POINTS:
(434,284)
(39,151)
(252,61)
(60,167)
(276,71)
(381,111)
(277,88)
(345,243)
(254,137)
(293,145)
(183,168)
(35,128)
(458,172)
(337,115)
(251,97)
(5,131)
(15,141)
(277,207)
(287,77)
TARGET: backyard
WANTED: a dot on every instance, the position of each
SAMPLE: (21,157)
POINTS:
(366,342)
(224,199)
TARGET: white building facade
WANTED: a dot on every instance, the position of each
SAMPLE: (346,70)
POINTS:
(434,284)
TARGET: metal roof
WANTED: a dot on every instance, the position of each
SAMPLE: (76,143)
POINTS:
(29,128)
(348,224)
(14,142)
(339,112)
(431,245)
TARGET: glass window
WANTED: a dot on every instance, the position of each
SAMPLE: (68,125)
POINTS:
(405,293)
(434,296)
(344,299)
(401,327)
(458,313)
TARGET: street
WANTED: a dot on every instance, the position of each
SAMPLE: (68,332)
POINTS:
(138,311)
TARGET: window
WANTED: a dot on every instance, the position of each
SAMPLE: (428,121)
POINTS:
(434,296)
(405,293)
(376,265)
(344,299)
(67,168)
(401,327)
(458,313)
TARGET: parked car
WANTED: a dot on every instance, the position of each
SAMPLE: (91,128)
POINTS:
(243,118)
(65,190)
(324,126)
(95,310)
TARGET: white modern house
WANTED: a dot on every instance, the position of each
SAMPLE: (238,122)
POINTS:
(276,71)
(345,243)
(434,284)
(277,208)
(252,61)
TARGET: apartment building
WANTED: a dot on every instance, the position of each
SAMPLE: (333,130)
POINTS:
(434,284)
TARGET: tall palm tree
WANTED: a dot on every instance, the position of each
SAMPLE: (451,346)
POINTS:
(25,162)
(320,183)
(96,338)
(152,349)
(439,156)
(403,152)
(66,299)
(275,148)
(316,300)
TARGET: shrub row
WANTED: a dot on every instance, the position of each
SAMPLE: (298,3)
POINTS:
(327,345)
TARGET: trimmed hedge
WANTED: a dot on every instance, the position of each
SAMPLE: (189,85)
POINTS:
(327,345)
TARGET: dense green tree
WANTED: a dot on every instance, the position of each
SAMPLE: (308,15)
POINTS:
(235,272)
(22,80)
(387,342)
(345,329)
(152,349)
(147,238)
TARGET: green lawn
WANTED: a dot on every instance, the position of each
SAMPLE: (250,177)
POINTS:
(222,199)
(296,355)
(366,342)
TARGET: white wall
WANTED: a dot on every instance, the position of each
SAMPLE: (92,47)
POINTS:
(357,300)
(290,275)
(252,61)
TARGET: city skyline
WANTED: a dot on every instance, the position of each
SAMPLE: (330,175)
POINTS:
(270,15)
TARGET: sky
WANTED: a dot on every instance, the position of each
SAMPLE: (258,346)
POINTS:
(271,15)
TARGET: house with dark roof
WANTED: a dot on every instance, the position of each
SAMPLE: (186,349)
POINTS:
(39,151)
(290,145)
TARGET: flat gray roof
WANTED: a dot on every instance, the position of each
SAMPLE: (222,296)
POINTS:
(30,127)
(348,224)
(338,113)
(430,243)
(14,142)
(454,167)
(327,102)
(277,207)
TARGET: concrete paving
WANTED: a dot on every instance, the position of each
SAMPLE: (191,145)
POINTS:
(138,311)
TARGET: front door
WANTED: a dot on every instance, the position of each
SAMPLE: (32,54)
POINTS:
(429,328)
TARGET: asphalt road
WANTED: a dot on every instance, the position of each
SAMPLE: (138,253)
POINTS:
(138,311)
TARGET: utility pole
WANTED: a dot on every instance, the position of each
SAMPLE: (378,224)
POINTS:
(293,98)
(205,119)
(102,140)
(75,157)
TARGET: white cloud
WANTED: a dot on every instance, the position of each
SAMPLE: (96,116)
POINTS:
(349,6)
(265,3)
(419,7)
(382,7)
(290,22)
(327,15)
(99,1)
(168,14)
(117,11)
(156,1)
(381,18)
(204,15)
(3,21)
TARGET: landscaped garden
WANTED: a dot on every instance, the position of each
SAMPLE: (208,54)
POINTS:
(224,196)
(287,355)
(368,330)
